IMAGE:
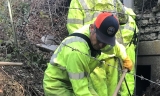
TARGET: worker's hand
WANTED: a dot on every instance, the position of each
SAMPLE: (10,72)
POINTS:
(127,63)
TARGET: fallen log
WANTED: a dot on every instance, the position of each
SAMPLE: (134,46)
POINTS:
(10,63)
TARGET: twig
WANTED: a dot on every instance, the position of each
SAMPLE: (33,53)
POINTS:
(1,91)
(10,63)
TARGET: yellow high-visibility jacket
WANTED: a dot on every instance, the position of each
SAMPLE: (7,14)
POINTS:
(68,72)
(105,78)
(83,12)
(80,14)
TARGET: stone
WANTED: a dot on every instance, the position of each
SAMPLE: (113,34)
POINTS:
(144,22)
(152,20)
(158,21)
(158,14)
(149,47)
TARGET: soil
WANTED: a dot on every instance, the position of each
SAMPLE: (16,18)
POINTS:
(26,80)
(21,81)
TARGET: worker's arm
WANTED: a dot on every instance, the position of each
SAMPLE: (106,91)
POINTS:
(75,16)
(120,51)
(78,70)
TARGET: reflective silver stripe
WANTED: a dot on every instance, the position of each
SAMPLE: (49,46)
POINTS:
(55,54)
(78,21)
(87,19)
(115,6)
(84,5)
(75,21)
(67,41)
(90,17)
(52,58)
(77,75)
(119,36)
(86,9)
(126,26)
